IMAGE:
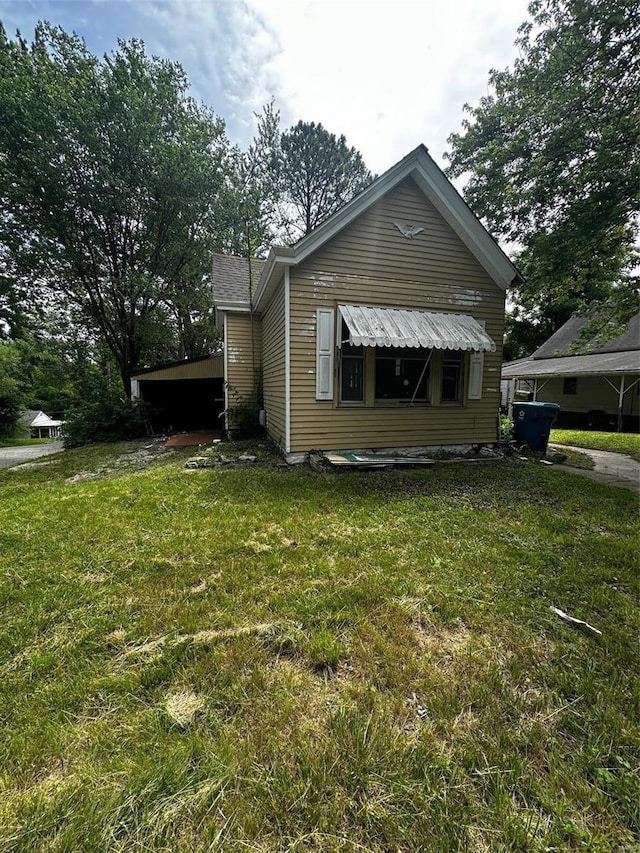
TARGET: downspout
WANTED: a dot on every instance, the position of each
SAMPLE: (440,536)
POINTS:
(287,361)
(251,319)
(225,386)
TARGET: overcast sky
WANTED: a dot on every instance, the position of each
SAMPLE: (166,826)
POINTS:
(388,74)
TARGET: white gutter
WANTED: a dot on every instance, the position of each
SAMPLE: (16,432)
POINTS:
(287,362)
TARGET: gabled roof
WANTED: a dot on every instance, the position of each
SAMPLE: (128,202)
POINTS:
(440,192)
(33,418)
(230,279)
(562,341)
(555,357)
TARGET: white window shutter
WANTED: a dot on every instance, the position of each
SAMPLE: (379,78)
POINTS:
(324,353)
(476,371)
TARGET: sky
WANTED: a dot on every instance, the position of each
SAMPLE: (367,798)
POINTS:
(388,74)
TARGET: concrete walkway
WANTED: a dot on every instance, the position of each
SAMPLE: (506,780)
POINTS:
(616,469)
(10,456)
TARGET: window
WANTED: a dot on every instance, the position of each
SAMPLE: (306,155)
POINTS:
(403,374)
(570,385)
(351,370)
(451,388)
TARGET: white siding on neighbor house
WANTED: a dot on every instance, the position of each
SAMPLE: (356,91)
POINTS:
(371,264)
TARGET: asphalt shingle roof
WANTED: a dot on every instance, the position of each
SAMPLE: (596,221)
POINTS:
(559,344)
(230,278)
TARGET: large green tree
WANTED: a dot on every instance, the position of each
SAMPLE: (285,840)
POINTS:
(109,179)
(552,161)
(319,173)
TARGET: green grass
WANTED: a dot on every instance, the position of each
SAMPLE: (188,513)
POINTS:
(262,658)
(617,442)
(24,442)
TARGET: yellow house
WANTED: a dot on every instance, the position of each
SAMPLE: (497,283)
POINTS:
(382,328)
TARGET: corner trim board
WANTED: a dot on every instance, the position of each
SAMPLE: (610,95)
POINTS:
(287,360)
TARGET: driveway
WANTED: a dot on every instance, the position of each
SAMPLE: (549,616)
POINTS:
(613,468)
(10,456)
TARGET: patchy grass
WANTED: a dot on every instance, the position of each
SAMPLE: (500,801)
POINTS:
(574,459)
(25,442)
(617,442)
(273,659)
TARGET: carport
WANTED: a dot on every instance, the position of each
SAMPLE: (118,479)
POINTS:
(182,395)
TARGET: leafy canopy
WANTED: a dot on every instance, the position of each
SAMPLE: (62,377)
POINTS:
(109,175)
(552,158)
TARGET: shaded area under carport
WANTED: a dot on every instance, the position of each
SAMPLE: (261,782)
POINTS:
(183,404)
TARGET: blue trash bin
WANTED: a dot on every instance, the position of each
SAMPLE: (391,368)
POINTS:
(532,423)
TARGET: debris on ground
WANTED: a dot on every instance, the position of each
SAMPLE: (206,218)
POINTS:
(579,622)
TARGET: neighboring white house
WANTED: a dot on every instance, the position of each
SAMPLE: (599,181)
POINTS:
(40,425)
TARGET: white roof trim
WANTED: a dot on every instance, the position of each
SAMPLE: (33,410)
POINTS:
(436,187)
(391,327)
(241,307)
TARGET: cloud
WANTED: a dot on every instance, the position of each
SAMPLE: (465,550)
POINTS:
(389,74)
(226,49)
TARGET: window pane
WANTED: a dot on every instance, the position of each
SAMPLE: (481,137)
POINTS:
(352,377)
(451,377)
(398,372)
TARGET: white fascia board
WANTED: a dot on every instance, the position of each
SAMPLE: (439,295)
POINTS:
(238,307)
(279,258)
(454,210)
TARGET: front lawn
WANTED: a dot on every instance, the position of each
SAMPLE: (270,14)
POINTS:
(264,658)
(617,442)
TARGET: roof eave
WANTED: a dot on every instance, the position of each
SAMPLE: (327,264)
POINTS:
(279,257)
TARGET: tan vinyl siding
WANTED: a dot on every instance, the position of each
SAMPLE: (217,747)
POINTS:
(243,356)
(371,263)
(593,393)
(206,368)
(273,367)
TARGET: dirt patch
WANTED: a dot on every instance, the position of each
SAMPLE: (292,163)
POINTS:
(193,439)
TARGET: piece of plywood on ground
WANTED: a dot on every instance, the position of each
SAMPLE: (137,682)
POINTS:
(374,460)
(192,439)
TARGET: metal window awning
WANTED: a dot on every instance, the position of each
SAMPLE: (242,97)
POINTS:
(392,327)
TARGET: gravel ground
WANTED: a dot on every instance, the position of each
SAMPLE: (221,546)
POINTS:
(10,456)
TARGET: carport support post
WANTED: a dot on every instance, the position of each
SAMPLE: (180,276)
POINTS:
(535,389)
(620,403)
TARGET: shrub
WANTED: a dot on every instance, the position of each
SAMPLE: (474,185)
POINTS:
(506,428)
(243,415)
(104,419)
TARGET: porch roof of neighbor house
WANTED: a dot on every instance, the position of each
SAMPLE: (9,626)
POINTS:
(595,364)
(390,327)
